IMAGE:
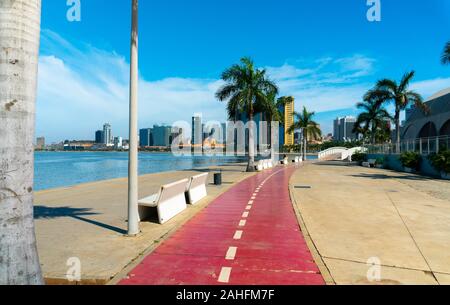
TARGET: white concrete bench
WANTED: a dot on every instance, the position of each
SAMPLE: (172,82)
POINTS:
(196,188)
(169,202)
(366,164)
(260,166)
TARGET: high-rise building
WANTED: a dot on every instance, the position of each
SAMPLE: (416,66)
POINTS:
(161,135)
(289,121)
(107,134)
(286,137)
(99,137)
(40,143)
(197,130)
(145,137)
(224,134)
(118,143)
(343,129)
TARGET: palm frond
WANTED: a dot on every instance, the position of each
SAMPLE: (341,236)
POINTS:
(445,58)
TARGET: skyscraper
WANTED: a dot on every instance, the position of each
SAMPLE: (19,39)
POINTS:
(285,137)
(40,143)
(197,132)
(107,135)
(99,137)
(161,135)
(145,137)
(343,129)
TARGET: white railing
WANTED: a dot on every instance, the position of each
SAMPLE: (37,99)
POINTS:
(331,151)
(424,146)
(340,153)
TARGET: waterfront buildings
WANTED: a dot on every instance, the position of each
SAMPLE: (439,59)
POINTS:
(145,137)
(343,129)
(436,123)
(161,135)
(40,143)
(197,130)
(107,135)
(99,137)
(288,113)
(118,143)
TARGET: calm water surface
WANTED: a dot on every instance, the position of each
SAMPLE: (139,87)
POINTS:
(60,169)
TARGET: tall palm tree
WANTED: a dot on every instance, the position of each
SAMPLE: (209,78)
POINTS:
(19,47)
(446,54)
(372,118)
(387,91)
(310,129)
(246,87)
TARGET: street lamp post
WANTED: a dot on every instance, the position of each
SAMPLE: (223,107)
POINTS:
(133,217)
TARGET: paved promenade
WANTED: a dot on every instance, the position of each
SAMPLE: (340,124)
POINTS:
(88,222)
(354,214)
(248,235)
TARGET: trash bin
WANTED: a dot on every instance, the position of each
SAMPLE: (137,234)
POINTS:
(218,178)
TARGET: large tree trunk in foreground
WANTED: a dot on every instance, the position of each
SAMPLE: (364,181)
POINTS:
(19,47)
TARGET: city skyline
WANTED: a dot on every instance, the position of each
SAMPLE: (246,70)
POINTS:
(174,84)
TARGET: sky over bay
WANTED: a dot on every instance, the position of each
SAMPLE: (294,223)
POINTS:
(324,53)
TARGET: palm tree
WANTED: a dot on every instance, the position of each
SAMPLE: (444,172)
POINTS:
(446,54)
(310,129)
(19,47)
(246,87)
(372,119)
(387,91)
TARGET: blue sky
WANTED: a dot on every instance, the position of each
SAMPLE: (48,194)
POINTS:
(323,52)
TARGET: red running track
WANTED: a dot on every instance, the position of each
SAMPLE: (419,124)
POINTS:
(236,241)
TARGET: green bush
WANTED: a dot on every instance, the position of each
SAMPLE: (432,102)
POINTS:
(359,157)
(411,159)
(379,161)
(441,161)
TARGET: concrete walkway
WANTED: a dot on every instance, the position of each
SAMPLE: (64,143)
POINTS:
(88,222)
(355,214)
(248,235)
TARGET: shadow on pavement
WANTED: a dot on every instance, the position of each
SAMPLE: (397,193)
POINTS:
(44,212)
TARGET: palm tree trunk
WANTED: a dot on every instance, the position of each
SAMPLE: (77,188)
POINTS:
(251,145)
(19,48)
(305,143)
(373,135)
(397,130)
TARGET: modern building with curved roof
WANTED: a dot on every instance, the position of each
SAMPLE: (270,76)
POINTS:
(436,123)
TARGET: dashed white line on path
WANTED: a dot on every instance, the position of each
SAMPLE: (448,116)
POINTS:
(250,202)
(242,223)
(231,253)
(249,207)
(245,214)
(224,276)
(238,235)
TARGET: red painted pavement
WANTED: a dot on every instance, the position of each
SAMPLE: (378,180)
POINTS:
(271,251)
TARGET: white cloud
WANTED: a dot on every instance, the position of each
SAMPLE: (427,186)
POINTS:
(82,87)
(79,90)
(430,87)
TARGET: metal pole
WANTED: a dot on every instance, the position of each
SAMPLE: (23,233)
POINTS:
(133,216)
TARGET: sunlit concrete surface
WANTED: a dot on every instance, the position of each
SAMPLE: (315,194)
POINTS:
(354,214)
